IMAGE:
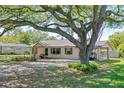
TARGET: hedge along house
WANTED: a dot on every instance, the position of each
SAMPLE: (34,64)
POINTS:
(14,48)
(67,50)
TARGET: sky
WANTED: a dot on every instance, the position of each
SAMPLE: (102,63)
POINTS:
(107,32)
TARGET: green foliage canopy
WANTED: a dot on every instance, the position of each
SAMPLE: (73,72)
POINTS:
(117,42)
(26,37)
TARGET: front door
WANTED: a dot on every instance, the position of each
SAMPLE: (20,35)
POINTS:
(46,51)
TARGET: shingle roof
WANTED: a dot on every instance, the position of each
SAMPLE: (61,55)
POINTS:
(102,44)
(57,43)
(66,42)
(13,44)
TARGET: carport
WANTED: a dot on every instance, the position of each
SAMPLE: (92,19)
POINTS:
(102,52)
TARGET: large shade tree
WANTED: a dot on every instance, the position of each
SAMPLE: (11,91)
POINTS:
(84,21)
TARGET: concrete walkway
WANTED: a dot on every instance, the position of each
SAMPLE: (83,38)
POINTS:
(56,60)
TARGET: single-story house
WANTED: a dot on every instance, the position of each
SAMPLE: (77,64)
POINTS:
(14,48)
(66,49)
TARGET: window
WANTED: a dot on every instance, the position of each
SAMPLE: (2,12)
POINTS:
(55,50)
(68,51)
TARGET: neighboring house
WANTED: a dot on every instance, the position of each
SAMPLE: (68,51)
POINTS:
(14,48)
(66,49)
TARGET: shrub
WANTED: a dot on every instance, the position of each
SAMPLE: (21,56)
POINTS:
(121,50)
(22,58)
(83,67)
(33,58)
(12,53)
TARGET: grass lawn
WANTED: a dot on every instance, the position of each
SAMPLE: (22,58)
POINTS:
(110,74)
(9,57)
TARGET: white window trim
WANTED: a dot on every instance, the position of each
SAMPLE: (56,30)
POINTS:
(55,51)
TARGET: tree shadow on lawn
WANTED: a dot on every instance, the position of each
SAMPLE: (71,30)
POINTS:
(62,78)
(75,79)
(56,77)
(110,74)
(112,60)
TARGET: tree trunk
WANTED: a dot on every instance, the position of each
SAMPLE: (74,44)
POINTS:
(84,56)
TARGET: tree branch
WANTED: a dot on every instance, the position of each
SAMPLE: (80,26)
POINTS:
(117,14)
(54,30)
(68,20)
(115,20)
(97,26)
(55,24)
(4,31)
